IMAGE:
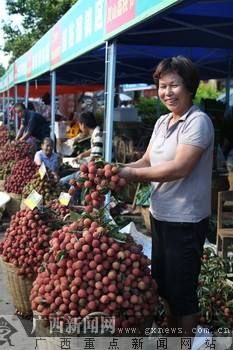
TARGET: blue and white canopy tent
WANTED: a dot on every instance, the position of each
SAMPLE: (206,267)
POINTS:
(102,42)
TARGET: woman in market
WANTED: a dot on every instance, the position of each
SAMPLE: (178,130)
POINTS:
(178,163)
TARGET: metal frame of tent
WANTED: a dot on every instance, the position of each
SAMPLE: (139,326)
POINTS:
(198,29)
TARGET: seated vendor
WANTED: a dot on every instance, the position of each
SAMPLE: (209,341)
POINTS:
(89,127)
(47,156)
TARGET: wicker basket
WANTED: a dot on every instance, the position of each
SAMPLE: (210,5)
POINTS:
(230,179)
(146,216)
(2,183)
(14,205)
(19,289)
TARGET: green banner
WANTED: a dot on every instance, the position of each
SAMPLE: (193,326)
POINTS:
(21,69)
(38,59)
(149,7)
(79,31)
(88,24)
(7,81)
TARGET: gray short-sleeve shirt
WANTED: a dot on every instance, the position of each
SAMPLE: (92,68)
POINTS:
(187,199)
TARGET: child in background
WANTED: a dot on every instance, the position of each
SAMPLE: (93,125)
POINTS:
(48,157)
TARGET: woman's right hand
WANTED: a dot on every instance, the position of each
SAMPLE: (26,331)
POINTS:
(127,173)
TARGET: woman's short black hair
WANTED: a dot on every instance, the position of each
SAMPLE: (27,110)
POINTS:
(88,119)
(184,67)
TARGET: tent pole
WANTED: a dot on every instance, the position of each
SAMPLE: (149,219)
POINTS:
(111,72)
(8,108)
(53,103)
(16,114)
(105,90)
(4,107)
(228,86)
(27,86)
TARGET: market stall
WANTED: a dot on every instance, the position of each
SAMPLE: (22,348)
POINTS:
(135,43)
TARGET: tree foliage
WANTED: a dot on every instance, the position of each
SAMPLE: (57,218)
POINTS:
(150,109)
(2,70)
(38,16)
(205,91)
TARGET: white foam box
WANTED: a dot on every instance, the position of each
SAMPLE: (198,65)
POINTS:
(69,160)
(60,129)
(4,199)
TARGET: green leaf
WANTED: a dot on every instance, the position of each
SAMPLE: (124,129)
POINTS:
(61,255)
(75,216)
(100,163)
(143,195)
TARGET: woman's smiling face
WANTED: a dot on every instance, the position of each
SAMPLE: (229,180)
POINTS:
(173,93)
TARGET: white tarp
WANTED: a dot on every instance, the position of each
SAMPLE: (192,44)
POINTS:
(139,237)
(4,199)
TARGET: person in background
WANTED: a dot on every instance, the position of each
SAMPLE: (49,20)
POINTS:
(33,128)
(178,163)
(65,147)
(47,156)
(46,107)
(88,127)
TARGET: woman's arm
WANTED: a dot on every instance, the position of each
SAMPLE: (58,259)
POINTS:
(185,160)
(37,159)
(82,155)
(142,162)
(20,132)
(25,136)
